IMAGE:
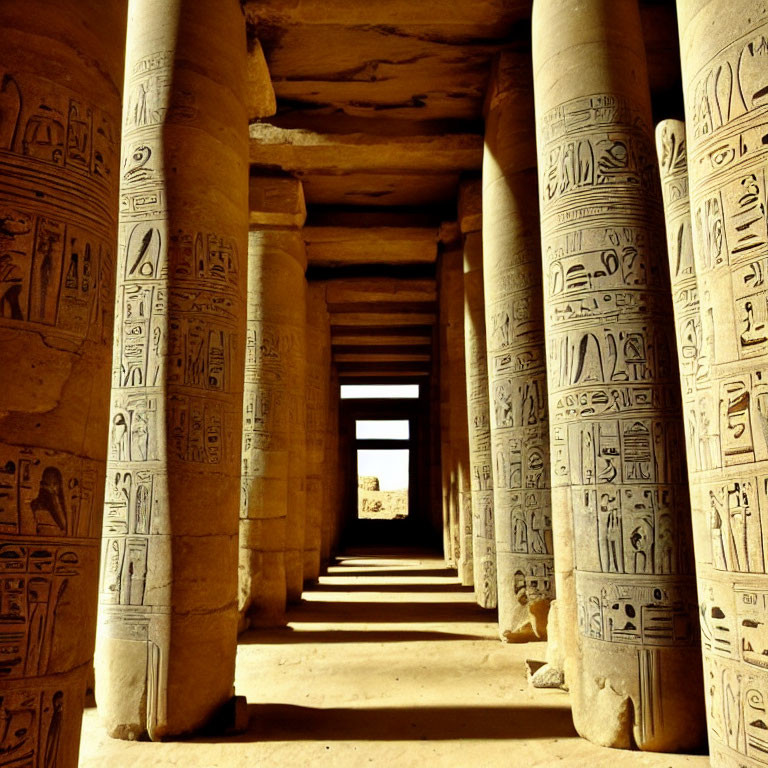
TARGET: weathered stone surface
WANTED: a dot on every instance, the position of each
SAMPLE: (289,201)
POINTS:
(547,676)
(724,60)
(629,607)
(516,358)
(318,382)
(451,542)
(452,298)
(61,79)
(337,246)
(470,206)
(261,95)
(276,201)
(332,508)
(274,447)
(478,419)
(309,152)
(168,615)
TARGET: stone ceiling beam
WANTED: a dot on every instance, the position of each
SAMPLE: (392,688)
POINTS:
(300,151)
(380,289)
(336,246)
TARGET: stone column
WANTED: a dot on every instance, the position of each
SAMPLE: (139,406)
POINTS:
(61,80)
(272,386)
(725,81)
(516,358)
(452,296)
(318,407)
(616,438)
(483,543)
(332,506)
(271,542)
(168,613)
(450,510)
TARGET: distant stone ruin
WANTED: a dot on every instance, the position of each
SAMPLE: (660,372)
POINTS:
(375,504)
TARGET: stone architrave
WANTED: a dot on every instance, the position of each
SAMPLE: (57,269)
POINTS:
(274,443)
(61,80)
(318,382)
(725,82)
(516,357)
(452,295)
(629,608)
(168,596)
(483,541)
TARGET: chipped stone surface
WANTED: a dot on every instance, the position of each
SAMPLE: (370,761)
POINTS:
(168,595)
(60,102)
(616,422)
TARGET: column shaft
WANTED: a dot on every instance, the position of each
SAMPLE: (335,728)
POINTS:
(168,615)
(516,357)
(725,61)
(452,294)
(478,419)
(318,406)
(61,79)
(616,437)
(273,446)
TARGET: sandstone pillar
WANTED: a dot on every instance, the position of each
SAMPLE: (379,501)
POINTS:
(616,437)
(516,358)
(460,509)
(274,448)
(61,80)
(318,410)
(333,510)
(168,613)
(725,62)
(451,542)
(273,402)
(483,543)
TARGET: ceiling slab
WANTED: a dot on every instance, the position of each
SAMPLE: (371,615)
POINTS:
(335,246)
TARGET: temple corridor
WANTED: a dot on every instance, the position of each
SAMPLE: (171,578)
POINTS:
(387,661)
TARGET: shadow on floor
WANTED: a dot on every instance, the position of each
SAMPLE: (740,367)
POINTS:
(455,588)
(287,722)
(411,572)
(344,612)
(289,636)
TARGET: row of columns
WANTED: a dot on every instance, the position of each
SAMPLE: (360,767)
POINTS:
(609,426)
(168,223)
(653,566)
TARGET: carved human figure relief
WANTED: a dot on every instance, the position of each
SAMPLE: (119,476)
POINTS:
(59,148)
(616,427)
(519,423)
(175,419)
(724,81)
(478,416)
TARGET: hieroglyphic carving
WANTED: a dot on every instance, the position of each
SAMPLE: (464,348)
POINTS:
(516,359)
(174,439)
(616,429)
(478,416)
(274,436)
(59,145)
(724,76)
(459,474)
(318,381)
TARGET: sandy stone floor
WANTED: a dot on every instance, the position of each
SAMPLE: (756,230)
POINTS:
(387,662)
